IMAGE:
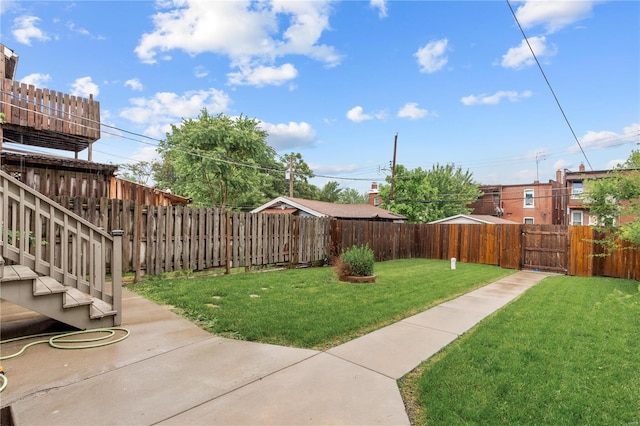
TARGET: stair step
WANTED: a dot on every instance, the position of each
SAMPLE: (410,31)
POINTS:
(74,297)
(101,309)
(17,273)
(47,285)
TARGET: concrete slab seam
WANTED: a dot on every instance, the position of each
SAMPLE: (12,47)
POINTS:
(237,388)
(361,366)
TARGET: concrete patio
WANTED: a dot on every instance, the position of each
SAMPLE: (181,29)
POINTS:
(169,371)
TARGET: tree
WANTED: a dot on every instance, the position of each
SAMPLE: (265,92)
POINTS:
(301,175)
(616,197)
(352,196)
(140,172)
(216,160)
(427,195)
(330,192)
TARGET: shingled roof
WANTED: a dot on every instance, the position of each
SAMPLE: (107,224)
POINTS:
(325,209)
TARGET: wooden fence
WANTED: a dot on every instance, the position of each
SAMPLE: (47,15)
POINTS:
(161,239)
(501,245)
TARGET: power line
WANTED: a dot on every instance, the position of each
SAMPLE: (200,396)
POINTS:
(548,83)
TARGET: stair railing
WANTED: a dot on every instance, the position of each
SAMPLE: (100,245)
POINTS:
(51,240)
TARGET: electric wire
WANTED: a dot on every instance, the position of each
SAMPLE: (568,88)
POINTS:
(549,84)
(360,171)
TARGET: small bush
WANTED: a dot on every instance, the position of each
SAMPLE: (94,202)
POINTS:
(356,261)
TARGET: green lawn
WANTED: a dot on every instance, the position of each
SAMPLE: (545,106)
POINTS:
(564,353)
(309,308)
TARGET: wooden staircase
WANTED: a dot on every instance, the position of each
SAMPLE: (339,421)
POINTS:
(60,269)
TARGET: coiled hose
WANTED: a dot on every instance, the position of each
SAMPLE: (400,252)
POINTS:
(62,341)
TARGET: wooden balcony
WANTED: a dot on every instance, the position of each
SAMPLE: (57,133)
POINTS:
(48,119)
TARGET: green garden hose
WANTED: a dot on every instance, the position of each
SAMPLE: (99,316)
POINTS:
(61,341)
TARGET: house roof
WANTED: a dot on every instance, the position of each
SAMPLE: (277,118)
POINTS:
(324,209)
(475,218)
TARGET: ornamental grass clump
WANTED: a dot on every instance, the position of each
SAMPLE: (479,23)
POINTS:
(356,261)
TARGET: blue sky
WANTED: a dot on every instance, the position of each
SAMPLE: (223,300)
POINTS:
(336,81)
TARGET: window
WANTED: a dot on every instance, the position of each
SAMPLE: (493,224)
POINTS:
(576,217)
(376,201)
(528,221)
(528,198)
(576,189)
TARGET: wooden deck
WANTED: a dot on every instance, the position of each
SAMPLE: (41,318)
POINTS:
(46,118)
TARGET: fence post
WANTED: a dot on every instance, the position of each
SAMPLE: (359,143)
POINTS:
(116,275)
(228,243)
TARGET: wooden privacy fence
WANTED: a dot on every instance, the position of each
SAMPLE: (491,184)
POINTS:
(559,248)
(161,239)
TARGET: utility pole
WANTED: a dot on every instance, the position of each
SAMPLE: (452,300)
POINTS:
(291,175)
(393,168)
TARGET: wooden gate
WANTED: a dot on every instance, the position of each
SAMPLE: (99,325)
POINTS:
(545,247)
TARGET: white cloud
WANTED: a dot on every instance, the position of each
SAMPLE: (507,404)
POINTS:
(263,75)
(166,108)
(251,34)
(412,111)
(145,153)
(520,57)
(607,139)
(25,30)
(37,79)
(496,98)
(72,27)
(553,15)
(288,136)
(381,5)
(615,163)
(134,84)
(431,57)
(84,87)
(8,5)
(562,164)
(358,115)
(200,71)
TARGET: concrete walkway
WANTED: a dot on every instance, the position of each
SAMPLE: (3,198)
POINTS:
(171,372)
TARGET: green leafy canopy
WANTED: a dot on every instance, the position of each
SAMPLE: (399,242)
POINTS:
(427,195)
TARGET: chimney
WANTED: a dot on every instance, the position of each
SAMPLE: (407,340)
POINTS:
(581,168)
(559,176)
(374,200)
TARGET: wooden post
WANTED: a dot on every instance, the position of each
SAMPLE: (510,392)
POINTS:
(116,275)
(291,175)
(228,250)
(137,242)
(393,169)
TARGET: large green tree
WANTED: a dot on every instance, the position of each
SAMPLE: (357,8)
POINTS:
(301,173)
(330,192)
(140,172)
(352,196)
(617,197)
(426,195)
(217,160)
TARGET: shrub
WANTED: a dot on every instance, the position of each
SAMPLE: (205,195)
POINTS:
(356,261)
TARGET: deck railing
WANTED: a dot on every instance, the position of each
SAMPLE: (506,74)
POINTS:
(48,110)
(53,241)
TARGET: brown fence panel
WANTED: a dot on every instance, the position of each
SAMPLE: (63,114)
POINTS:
(621,263)
(168,238)
(580,256)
